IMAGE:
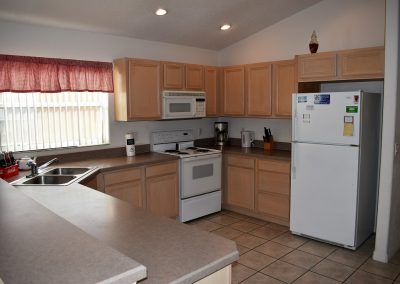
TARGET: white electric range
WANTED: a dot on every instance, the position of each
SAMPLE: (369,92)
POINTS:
(199,172)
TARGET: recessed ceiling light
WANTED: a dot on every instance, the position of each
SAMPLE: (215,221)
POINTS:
(161,12)
(225,27)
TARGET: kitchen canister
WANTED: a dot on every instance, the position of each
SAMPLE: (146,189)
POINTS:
(130,144)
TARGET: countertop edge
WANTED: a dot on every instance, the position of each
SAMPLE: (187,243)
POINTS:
(208,269)
(134,275)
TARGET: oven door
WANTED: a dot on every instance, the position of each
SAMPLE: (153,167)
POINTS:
(178,107)
(200,174)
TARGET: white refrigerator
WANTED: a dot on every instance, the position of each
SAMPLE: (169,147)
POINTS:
(335,161)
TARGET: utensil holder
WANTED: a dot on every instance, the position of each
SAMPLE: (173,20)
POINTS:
(268,146)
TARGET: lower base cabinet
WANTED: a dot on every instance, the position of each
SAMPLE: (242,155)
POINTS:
(257,187)
(162,189)
(153,187)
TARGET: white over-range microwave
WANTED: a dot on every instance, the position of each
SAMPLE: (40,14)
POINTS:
(183,104)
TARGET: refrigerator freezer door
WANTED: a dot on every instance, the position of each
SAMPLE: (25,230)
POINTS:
(327,118)
(324,192)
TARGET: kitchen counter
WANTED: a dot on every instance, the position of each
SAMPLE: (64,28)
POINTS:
(110,164)
(37,246)
(256,152)
(172,252)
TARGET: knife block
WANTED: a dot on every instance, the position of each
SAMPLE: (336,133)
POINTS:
(268,146)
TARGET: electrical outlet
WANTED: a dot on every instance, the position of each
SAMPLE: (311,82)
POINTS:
(200,131)
(396,149)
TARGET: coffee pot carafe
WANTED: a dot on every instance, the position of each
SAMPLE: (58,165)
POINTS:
(221,133)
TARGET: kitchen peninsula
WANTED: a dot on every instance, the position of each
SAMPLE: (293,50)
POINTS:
(170,252)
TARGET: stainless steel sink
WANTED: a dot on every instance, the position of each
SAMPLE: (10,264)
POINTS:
(55,176)
(49,180)
(67,171)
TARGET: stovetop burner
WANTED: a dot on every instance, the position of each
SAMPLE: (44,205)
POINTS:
(172,151)
(191,148)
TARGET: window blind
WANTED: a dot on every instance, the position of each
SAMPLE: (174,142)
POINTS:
(34,121)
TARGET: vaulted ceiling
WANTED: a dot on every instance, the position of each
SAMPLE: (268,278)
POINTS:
(188,22)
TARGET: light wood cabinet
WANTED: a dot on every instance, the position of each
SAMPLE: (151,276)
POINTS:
(126,185)
(211,89)
(273,189)
(240,181)
(259,88)
(154,187)
(194,77)
(317,67)
(137,89)
(352,64)
(366,63)
(284,84)
(162,189)
(257,187)
(233,91)
(180,76)
(173,76)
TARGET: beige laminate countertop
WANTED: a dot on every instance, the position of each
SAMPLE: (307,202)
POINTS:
(37,246)
(172,252)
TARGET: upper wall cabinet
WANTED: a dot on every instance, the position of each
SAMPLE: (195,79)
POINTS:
(194,77)
(366,63)
(352,64)
(284,84)
(259,87)
(233,91)
(179,76)
(173,76)
(211,88)
(137,89)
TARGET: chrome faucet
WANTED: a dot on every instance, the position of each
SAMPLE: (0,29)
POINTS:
(35,169)
(45,165)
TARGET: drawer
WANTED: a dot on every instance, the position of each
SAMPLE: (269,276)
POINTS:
(274,166)
(273,182)
(240,161)
(163,169)
(122,176)
(273,205)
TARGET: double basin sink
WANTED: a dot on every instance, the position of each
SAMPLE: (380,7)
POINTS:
(55,176)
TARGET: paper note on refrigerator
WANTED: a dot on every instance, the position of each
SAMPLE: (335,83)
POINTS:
(348,126)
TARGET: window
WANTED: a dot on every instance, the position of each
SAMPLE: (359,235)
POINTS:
(34,121)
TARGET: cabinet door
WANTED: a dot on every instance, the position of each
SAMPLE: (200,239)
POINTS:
(239,181)
(284,85)
(173,76)
(240,187)
(317,67)
(259,100)
(234,100)
(162,195)
(365,63)
(211,89)
(131,192)
(274,205)
(126,185)
(144,90)
(273,188)
(194,77)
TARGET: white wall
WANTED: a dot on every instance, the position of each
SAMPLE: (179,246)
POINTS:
(280,128)
(388,221)
(339,24)
(30,40)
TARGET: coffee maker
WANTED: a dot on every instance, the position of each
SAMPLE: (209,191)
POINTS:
(221,133)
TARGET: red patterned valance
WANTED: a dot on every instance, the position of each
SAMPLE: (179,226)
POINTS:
(38,74)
